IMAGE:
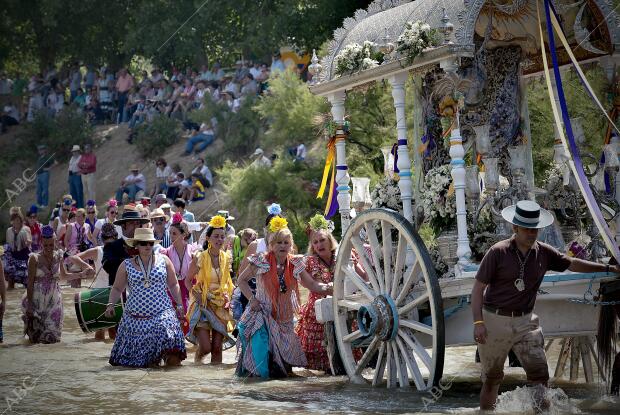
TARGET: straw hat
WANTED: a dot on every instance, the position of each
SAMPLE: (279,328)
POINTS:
(75,148)
(142,235)
(527,214)
(159,213)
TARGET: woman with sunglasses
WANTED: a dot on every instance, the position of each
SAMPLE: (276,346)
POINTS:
(269,345)
(63,218)
(149,331)
(76,238)
(91,220)
(111,212)
(42,303)
(209,316)
(180,253)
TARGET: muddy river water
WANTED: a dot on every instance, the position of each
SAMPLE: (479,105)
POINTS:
(74,377)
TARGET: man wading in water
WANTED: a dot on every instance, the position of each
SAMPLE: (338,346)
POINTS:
(511,273)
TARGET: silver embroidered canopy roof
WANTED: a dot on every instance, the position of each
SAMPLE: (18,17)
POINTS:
(392,16)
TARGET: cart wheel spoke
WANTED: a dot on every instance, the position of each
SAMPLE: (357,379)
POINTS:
(416,348)
(352,336)
(412,365)
(380,368)
(412,275)
(375,252)
(386,236)
(401,369)
(401,254)
(368,354)
(359,247)
(417,326)
(349,304)
(390,367)
(404,310)
(359,282)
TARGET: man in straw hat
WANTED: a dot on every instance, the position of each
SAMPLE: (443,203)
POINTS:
(75,178)
(116,252)
(504,295)
(131,185)
(159,220)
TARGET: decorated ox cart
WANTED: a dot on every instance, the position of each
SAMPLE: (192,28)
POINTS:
(467,62)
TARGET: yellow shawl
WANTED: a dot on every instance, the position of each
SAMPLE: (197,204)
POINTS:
(203,279)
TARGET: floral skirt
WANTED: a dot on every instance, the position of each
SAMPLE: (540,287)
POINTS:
(45,325)
(145,341)
(15,265)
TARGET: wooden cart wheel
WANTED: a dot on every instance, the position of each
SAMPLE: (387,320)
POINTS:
(389,325)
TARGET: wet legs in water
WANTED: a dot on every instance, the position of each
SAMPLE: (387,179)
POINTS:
(207,345)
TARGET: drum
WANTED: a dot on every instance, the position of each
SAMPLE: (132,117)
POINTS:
(90,308)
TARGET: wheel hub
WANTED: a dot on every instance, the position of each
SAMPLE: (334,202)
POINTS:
(379,318)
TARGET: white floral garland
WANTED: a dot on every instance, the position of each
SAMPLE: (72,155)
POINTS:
(355,57)
(416,37)
(439,207)
(386,194)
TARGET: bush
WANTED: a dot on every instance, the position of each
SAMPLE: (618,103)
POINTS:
(292,185)
(59,133)
(240,131)
(153,138)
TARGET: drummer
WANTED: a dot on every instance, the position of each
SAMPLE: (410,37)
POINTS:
(116,252)
(504,295)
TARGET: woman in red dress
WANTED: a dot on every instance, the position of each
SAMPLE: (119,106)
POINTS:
(320,264)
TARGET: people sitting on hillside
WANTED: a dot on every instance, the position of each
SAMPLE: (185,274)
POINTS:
(162,172)
(196,191)
(201,168)
(9,117)
(131,185)
(201,137)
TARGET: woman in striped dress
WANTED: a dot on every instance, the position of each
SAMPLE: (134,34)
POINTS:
(269,346)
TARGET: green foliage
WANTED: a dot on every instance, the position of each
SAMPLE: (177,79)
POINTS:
(579,105)
(290,108)
(155,137)
(240,131)
(60,133)
(292,185)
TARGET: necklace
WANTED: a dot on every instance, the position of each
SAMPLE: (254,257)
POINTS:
(146,272)
(519,283)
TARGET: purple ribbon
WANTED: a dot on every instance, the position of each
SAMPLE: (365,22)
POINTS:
(585,185)
(394,152)
(333,208)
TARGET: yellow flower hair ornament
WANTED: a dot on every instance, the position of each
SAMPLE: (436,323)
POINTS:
(277,224)
(217,222)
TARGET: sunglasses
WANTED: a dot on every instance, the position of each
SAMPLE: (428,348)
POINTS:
(91,212)
(66,210)
(146,243)
(113,212)
(158,220)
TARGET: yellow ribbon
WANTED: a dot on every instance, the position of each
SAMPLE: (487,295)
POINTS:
(331,190)
(329,165)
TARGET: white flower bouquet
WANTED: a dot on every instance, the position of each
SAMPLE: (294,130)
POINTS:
(438,201)
(416,37)
(386,194)
(355,57)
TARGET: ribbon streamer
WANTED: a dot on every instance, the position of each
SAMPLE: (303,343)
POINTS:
(570,145)
(329,166)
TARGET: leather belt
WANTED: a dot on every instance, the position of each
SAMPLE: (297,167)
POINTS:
(506,313)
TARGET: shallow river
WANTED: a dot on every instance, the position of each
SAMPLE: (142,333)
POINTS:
(74,377)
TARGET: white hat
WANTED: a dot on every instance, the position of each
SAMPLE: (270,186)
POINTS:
(259,151)
(159,213)
(142,235)
(75,148)
(527,214)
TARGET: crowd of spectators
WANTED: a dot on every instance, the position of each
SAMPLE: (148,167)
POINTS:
(122,97)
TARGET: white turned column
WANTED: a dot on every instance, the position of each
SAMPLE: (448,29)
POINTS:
(526,130)
(342,173)
(404,163)
(615,141)
(457,152)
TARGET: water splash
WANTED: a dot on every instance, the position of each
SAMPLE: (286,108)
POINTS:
(525,400)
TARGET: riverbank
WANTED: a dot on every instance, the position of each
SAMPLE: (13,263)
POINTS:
(74,377)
